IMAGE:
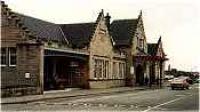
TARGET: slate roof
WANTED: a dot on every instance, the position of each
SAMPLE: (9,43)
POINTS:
(79,35)
(122,31)
(42,29)
(152,48)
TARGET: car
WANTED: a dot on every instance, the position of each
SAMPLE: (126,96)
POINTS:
(188,79)
(168,77)
(179,83)
(196,80)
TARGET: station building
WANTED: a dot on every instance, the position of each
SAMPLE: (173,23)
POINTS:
(38,56)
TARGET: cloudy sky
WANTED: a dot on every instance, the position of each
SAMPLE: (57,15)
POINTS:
(177,21)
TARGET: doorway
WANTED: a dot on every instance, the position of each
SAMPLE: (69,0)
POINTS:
(139,75)
(62,72)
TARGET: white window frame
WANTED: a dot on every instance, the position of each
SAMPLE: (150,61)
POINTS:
(9,57)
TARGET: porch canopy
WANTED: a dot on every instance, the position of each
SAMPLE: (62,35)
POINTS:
(50,52)
(150,58)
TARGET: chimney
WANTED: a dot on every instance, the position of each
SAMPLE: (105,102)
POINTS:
(101,14)
(169,67)
(107,20)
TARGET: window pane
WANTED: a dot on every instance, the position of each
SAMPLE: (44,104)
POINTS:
(3,56)
(95,69)
(3,60)
(12,55)
(107,69)
(114,70)
(13,51)
(13,60)
(100,69)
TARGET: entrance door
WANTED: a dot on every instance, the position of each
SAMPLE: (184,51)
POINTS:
(152,74)
(73,77)
(49,69)
(139,75)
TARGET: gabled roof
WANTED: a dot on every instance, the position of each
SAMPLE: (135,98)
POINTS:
(152,48)
(79,35)
(122,31)
(42,29)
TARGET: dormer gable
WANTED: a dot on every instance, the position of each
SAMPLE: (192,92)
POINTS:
(160,51)
(101,38)
(140,33)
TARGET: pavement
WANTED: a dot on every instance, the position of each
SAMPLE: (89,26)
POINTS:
(67,93)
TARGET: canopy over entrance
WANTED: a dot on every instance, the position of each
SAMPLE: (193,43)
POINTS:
(149,58)
(64,70)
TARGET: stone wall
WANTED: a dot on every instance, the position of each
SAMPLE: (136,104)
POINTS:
(107,83)
(30,64)
(29,60)
(101,48)
(27,76)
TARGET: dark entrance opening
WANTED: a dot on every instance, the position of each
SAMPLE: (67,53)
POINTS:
(63,71)
(139,75)
(152,74)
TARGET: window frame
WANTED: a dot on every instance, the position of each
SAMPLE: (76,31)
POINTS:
(6,56)
(10,56)
(141,43)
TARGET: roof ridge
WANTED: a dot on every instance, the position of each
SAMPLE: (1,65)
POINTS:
(24,15)
(126,19)
(151,43)
(78,23)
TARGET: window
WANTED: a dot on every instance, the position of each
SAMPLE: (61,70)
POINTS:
(141,43)
(98,70)
(106,69)
(8,55)
(121,70)
(101,69)
(12,56)
(3,57)
(95,69)
(114,70)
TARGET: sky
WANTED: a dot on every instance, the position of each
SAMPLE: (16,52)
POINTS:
(177,21)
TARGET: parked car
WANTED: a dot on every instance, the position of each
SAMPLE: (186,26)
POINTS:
(188,79)
(179,83)
(197,80)
(168,77)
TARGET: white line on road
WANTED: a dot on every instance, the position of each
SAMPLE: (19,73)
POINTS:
(154,107)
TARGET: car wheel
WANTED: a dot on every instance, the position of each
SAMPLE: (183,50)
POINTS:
(172,88)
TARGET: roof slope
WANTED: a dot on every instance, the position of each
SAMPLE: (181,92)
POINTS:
(79,35)
(152,49)
(122,31)
(42,29)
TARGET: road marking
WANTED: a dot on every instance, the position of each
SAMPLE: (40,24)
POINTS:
(180,95)
(154,107)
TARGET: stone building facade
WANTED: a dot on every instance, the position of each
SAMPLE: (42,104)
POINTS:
(143,67)
(37,55)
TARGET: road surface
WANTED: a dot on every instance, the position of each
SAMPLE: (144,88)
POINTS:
(142,100)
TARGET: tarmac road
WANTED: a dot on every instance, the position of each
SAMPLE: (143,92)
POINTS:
(147,100)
